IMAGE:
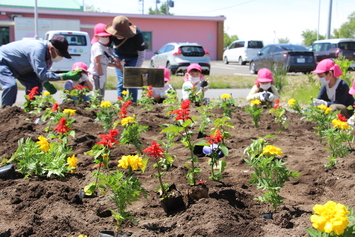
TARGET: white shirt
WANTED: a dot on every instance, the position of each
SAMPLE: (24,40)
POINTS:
(98,49)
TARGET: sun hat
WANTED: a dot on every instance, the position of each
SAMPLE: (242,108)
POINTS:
(121,26)
(328,65)
(80,65)
(166,73)
(61,44)
(265,75)
(99,30)
(194,66)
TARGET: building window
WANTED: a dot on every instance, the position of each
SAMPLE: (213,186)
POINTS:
(4,35)
(147,36)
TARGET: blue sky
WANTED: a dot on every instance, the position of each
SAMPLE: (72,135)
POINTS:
(267,20)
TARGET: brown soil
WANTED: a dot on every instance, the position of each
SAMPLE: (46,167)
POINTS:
(40,206)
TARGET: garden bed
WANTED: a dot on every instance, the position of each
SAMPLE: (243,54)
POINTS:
(39,206)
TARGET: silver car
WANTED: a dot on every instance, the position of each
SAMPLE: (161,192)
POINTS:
(178,56)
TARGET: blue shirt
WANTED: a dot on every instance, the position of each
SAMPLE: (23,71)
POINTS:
(25,57)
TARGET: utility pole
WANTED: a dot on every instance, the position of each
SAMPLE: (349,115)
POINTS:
(318,20)
(36,20)
(142,5)
(329,18)
(156,6)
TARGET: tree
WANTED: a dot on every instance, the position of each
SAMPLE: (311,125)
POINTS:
(310,36)
(229,39)
(284,40)
(92,8)
(162,11)
(346,30)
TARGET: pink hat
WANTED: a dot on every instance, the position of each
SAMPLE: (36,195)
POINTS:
(328,65)
(352,89)
(265,75)
(99,30)
(166,73)
(194,66)
(79,65)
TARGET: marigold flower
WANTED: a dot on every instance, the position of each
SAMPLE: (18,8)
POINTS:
(126,120)
(46,93)
(125,92)
(105,104)
(69,111)
(225,96)
(61,128)
(291,102)
(154,151)
(322,107)
(340,124)
(327,111)
(330,217)
(43,143)
(272,151)
(72,162)
(135,162)
(255,102)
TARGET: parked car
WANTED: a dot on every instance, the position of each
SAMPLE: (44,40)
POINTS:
(178,56)
(333,48)
(241,51)
(292,57)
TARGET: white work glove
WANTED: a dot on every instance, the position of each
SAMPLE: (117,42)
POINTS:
(83,78)
(317,102)
(268,96)
(259,96)
(102,81)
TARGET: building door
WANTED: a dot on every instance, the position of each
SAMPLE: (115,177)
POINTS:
(4,35)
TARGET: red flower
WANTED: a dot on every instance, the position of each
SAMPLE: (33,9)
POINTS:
(277,104)
(342,118)
(108,139)
(181,114)
(185,104)
(154,151)
(123,112)
(55,107)
(32,93)
(119,98)
(127,103)
(61,128)
(215,138)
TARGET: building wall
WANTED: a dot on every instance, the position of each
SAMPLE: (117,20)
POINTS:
(207,31)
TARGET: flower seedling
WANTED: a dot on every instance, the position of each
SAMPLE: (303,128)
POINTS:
(147,99)
(227,103)
(107,114)
(131,132)
(270,172)
(294,105)
(280,116)
(255,111)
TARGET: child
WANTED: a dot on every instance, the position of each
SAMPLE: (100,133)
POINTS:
(100,58)
(264,90)
(83,81)
(159,94)
(334,92)
(193,79)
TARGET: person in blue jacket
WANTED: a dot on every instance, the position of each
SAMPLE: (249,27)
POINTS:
(29,62)
(334,92)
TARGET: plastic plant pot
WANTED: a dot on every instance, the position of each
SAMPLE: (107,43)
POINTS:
(112,234)
(7,172)
(83,195)
(267,215)
(174,203)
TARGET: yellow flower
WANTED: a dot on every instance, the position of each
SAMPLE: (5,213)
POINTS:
(272,150)
(225,96)
(255,102)
(125,92)
(134,162)
(291,102)
(340,124)
(105,104)
(72,162)
(43,143)
(105,157)
(69,111)
(330,217)
(327,111)
(322,107)
(46,93)
(126,120)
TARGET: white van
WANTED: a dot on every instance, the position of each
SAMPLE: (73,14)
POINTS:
(241,51)
(79,49)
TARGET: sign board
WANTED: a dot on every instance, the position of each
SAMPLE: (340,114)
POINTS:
(25,26)
(136,77)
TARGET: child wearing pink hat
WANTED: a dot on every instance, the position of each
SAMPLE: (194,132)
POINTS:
(83,81)
(334,92)
(100,59)
(263,88)
(193,78)
(159,94)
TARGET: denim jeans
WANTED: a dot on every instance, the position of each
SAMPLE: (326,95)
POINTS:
(130,62)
